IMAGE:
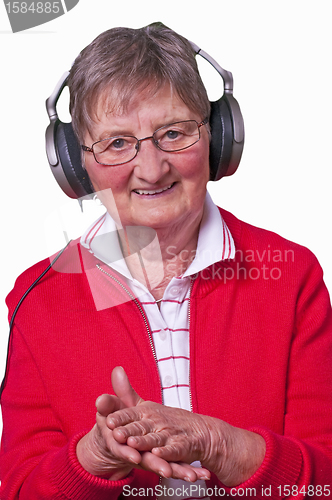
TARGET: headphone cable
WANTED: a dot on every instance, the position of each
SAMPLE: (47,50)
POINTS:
(11,324)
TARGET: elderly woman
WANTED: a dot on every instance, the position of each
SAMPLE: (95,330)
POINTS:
(223,329)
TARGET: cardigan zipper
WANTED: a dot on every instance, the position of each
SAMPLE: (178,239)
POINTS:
(189,303)
(145,322)
(148,328)
(140,310)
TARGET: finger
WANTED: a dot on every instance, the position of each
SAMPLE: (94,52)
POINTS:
(106,403)
(155,464)
(175,470)
(137,428)
(201,473)
(170,452)
(181,470)
(123,417)
(148,442)
(124,453)
(117,451)
(123,389)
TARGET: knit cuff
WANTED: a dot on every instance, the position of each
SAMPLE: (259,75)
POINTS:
(74,482)
(282,465)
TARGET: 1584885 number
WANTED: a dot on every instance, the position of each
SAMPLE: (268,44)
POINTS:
(309,491)
(33,7)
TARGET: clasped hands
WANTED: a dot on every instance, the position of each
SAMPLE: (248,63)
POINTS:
(130,432)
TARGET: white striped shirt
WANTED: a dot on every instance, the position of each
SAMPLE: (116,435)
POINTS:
(169,324)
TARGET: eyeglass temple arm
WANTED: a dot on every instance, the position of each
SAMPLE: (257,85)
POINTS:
(204,122)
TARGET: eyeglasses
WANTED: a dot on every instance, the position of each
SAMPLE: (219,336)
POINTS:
(124,148)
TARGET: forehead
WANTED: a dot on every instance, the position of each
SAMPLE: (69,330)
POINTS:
(149,107)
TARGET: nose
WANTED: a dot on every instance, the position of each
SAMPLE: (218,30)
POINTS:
(151,163)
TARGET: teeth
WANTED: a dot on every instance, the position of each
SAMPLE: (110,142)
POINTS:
(143,191)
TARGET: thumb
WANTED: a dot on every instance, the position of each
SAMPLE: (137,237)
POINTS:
(123,389)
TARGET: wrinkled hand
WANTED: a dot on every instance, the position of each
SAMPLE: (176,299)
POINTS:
(171,433)
(178,435)
(102,455)
(98,452)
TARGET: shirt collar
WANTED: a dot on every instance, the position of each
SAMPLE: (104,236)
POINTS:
(101,239)
(215,242)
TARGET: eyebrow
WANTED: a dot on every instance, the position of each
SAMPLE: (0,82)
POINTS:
(122,132)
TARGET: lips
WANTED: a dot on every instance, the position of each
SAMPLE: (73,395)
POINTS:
(153,192)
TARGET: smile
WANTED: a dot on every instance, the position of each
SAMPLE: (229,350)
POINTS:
(156,191)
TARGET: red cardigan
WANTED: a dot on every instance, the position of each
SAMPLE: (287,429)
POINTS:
(260,358)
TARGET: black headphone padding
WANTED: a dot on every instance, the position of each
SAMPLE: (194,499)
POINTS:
(221,138)
(71,160)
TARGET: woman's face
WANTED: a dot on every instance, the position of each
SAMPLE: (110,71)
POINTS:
(156,189)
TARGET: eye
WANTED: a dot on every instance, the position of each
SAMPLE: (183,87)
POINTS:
(114,144)
(167,135)
(118,143)
(177,136)
(172,134)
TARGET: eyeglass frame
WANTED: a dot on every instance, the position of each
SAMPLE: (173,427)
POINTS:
(138,142)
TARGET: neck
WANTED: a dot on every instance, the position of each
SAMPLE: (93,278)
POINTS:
(154,257)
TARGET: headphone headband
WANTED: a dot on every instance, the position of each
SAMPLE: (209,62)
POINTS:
(227,137)
(51,103)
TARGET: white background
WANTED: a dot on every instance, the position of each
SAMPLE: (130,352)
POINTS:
(280,55)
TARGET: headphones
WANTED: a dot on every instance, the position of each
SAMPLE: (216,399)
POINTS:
(226,146)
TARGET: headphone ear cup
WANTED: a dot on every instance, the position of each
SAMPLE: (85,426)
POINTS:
(221,139)
(227,137)
(69,153)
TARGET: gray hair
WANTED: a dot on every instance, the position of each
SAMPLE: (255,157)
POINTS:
(122,62)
